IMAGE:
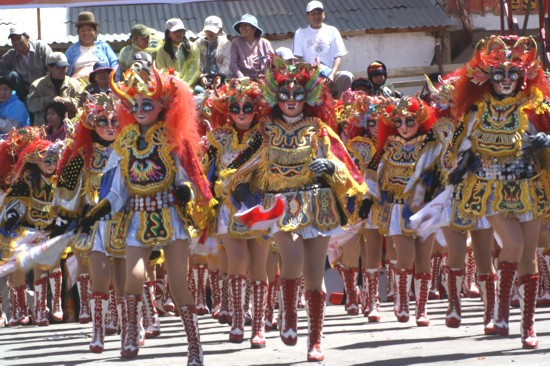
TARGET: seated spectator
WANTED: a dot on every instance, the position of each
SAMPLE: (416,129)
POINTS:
(249,51)
(57,123)
(215,51)
(99,82)
(25,62)
(54,87)
(362,84)
(13,112)
(84,54)
(178,53)
(141,40)
(286,54)
(378,76)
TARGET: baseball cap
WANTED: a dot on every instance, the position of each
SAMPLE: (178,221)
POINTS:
(285,53)
(15,31)
(144,58)
(212,24)
(57,59)
(312,5)
(140,30)
(174,24)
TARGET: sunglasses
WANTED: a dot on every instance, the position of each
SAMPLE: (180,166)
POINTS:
(298,95)
(104,122)
(409,122)
(145,106)
(499,76)
(247,108)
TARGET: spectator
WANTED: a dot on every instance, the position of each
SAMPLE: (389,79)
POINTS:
(215,51)
(57,123)
(140,38)
(378,76)
(323,43)
(54,87)
(178,53)
(286,54)
(83,55)
(13,112)
(25,62)
(99,82)
(249,51)
(362,84)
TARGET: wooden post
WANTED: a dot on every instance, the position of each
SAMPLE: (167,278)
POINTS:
(39,23)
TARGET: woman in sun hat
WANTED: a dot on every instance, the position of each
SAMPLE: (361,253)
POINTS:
(88,50)
(249,51)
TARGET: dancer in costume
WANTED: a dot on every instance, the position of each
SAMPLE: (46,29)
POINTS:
(237,109)
(301,158)
(402,135)
(502,98)
(158,185)
(78,188)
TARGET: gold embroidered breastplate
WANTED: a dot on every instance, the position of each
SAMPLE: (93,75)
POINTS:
(38,214)
(98,160)
(401,157)
(149,170)
(290,149)
(226,141)
(362,149)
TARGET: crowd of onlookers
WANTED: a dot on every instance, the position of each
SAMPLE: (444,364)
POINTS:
(42,87)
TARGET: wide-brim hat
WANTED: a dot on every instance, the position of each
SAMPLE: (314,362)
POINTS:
(86,18)
(98,67)
(249,19)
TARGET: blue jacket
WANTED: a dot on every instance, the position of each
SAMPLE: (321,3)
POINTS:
(102,50)
(15,109)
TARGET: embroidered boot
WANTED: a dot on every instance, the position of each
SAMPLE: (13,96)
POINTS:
(238,290)
(246,303)
(487,287)
(259,295)
(391,281)
(371,303)
(131,342)
(352,291)
(223,316)
(13,318)
(301,294)
(83,284)
(56,279)
(453,317)
(111,327)
(403,278)
(99,302)
(215,292)
(199,280)
(434,287)
(122,315)
(543,299)
(315,301)
(514,296)
(527,290)
(505,278)
(288,324)
(151,321)
(22,307)
(272,292)
(40,292)
(422,286)
(470,286)
(168,301)
(191,324)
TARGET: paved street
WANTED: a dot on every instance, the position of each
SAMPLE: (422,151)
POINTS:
(348,341)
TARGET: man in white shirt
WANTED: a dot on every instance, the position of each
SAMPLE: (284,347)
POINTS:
(322,43)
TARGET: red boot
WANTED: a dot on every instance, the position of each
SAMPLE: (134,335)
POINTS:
(454,285)
(167,301)
(246,303)
(56,278)
(301,294)
(224,316)
(22,307)
(487,287)
(13,318)
(352,292)
(315,301)
(259,291)
(100,306)
(83,285)
(543,299)
(199,280)
(433,294)
(505,278)
(151,321)
(112,323)
(215,292)
(528,286)
(470,286)
(190,321)
(122,315)
(272,292)
(371,304)
(40,293)
(238,289)
(422,286)
(403,278)
(131,341)
(288,325)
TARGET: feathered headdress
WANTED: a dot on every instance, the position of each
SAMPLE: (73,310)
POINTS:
(97,105)
(442,95)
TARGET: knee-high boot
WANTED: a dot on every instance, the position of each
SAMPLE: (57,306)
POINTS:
(403,279)
(352,292)
(56,279)
(112,320)
(272,293)
(371,304)
(131,341)
(22,307)
(190,322)
(505,278)
(167,301)
(453,317)
(246,303)
(436,269)
(99,302)
(259,294)
(422,286)
(238,289)
(151,321)
(224,316)
(315,302)
(40,292)
(83,284)
(199,279)
(13,318)
(390,281)
(527,290)
(487,287)
(543,300)
(470,286)
(288,312)
(215,292)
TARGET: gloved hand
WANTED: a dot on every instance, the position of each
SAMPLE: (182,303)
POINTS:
(320,166)
(364,210)
(103,208)
(469,162)
(539,140)
(183,194)
(58,226)
(12,217)
(242,194)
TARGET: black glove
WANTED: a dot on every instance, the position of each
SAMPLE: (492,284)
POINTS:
(12,217)
(539,140)
(469,162)
(240,192)
(58,226)
(103,208)
(364,210)
(183,194)
(320,166)
(243,194)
